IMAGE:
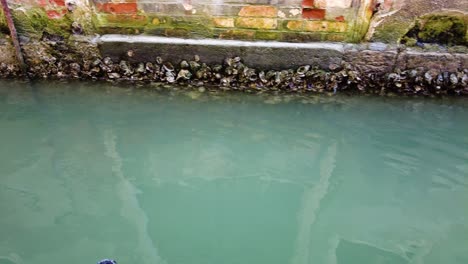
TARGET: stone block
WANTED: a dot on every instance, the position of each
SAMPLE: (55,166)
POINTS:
(223,22)
(368,61)
(257,23)
(258,11)
(429,60)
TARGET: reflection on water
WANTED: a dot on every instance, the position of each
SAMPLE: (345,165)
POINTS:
(90,171)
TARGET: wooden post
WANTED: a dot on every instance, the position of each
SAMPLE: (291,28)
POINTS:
(14,35)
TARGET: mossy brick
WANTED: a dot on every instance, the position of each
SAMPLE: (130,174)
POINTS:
(267,35)
(177,32)
(295,25)
(236,34)
(325,26)
(257,23)
(336,37)
(126,20)
(223,22)
(301,37)
(258,11)
(120,30)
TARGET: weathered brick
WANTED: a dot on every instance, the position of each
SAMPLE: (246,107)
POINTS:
(223,22)
(320,4)
(220,10)
(337,26)
(335,37)
(340,18)
(315,26)
(259,23)
(339,3)
(296,25)
(163,8)
(288,3)
(290,12)
(258,11)
(118,8)
(317,14)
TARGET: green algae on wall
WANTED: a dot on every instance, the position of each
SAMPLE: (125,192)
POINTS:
(3,24)
(440,29)
(34,22)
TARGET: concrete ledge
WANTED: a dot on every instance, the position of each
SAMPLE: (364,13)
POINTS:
(261,55)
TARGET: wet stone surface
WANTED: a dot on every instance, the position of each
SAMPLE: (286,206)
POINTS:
(375,71)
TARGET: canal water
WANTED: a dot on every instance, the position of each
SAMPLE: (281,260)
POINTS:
(166,176)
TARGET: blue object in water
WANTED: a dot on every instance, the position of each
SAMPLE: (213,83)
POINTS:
(107,261)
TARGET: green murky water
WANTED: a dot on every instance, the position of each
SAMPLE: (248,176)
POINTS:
(90,171)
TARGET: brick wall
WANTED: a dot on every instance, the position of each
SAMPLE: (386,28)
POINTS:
(285,20)
(282,20)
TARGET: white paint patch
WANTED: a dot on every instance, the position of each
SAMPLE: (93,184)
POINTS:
(294,12)
(281,14)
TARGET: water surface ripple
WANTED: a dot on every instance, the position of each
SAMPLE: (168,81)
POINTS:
(95,170)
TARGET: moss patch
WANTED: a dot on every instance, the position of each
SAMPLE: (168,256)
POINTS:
(440,29)
(35,22)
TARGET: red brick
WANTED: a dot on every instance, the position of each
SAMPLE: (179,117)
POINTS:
(118,8)
(58,2)
(258,11)
(55,14)
(317,14)
(43,3)
(307,3)
(340,18)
